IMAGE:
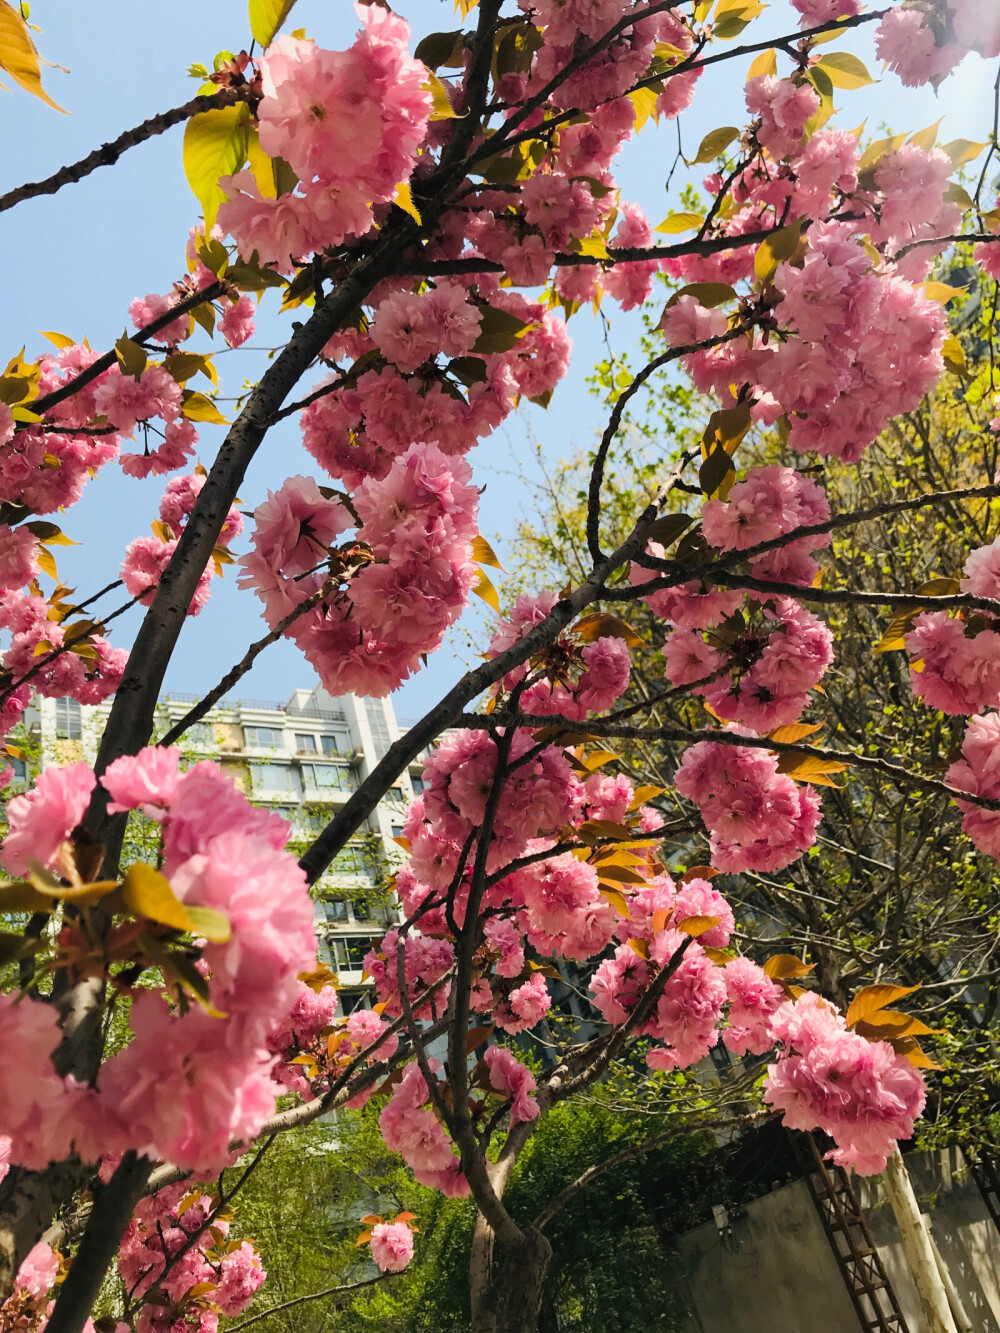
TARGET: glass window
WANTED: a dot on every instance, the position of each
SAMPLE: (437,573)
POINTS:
(348,951)
(328,777)
(275,777)
(69,720)
(262,738)
(418,785)
(338,743)
(305,743)
(350,861)
(201,734)
(335,911)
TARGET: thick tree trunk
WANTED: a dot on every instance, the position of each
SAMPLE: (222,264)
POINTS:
(507,1286)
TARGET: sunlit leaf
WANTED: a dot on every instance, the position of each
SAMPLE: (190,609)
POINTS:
(870,999)
(18,56)
(216,143)
(266,17)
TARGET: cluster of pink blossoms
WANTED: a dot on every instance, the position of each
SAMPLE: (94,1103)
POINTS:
(955,660)
(923,44)
(862,1093)
(392,1246)
(408,585)
(147,557)
(182,1271)
(758,818)
(188,1083)
(348,123)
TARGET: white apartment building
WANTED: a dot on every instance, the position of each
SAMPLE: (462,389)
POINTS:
(302,759)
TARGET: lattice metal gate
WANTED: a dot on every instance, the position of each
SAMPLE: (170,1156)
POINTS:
(847,1231)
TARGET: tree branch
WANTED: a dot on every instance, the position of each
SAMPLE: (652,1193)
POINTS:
(109,153)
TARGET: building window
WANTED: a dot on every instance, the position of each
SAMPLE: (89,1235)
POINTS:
(201,735)
(305,743)
(20,768)
(379,726)
(275,777)
(338,743)
(328,777)
(350,861)
(69,720)
(262,738)
(417,784)
(397,830)
(334,911)
(347,952)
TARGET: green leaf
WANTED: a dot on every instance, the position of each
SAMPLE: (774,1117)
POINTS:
(963,150)
(216,143)
(499,331)
(680,222)
(667,529)
(441,48)
(196,407)
(148,893)
(715,143)
(771,252)
(709,294)
(266,17)
(131,357)
(765,63)
(844,70)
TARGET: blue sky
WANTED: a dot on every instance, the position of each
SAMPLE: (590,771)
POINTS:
(73,262)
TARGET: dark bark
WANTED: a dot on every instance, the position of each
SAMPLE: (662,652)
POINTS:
(507,1284)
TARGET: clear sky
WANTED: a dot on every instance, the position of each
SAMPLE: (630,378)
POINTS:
(73,262)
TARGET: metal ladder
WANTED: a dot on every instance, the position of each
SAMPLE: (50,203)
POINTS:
(847,1231)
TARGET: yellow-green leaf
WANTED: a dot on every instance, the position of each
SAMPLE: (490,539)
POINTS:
(771,252)
(266,17)
(708,294)
(845,70)
(18,56)
(196,407)
(680,222)
(148,893)
(59,339)
(963,150)
(216,143)
(714,143)
(644,100)
(954,355)
(484,588)
(595,246)
(926,138)
(441,107)
(403,198)
(940,291)
(765,63)
(131,357)
(210,923)
(483,553)
(795,731)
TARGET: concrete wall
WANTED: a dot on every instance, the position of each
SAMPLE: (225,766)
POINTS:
(776,1272)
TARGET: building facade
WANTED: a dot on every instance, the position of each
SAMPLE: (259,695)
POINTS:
(302,759)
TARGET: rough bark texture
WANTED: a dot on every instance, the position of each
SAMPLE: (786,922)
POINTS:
(507,1285)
